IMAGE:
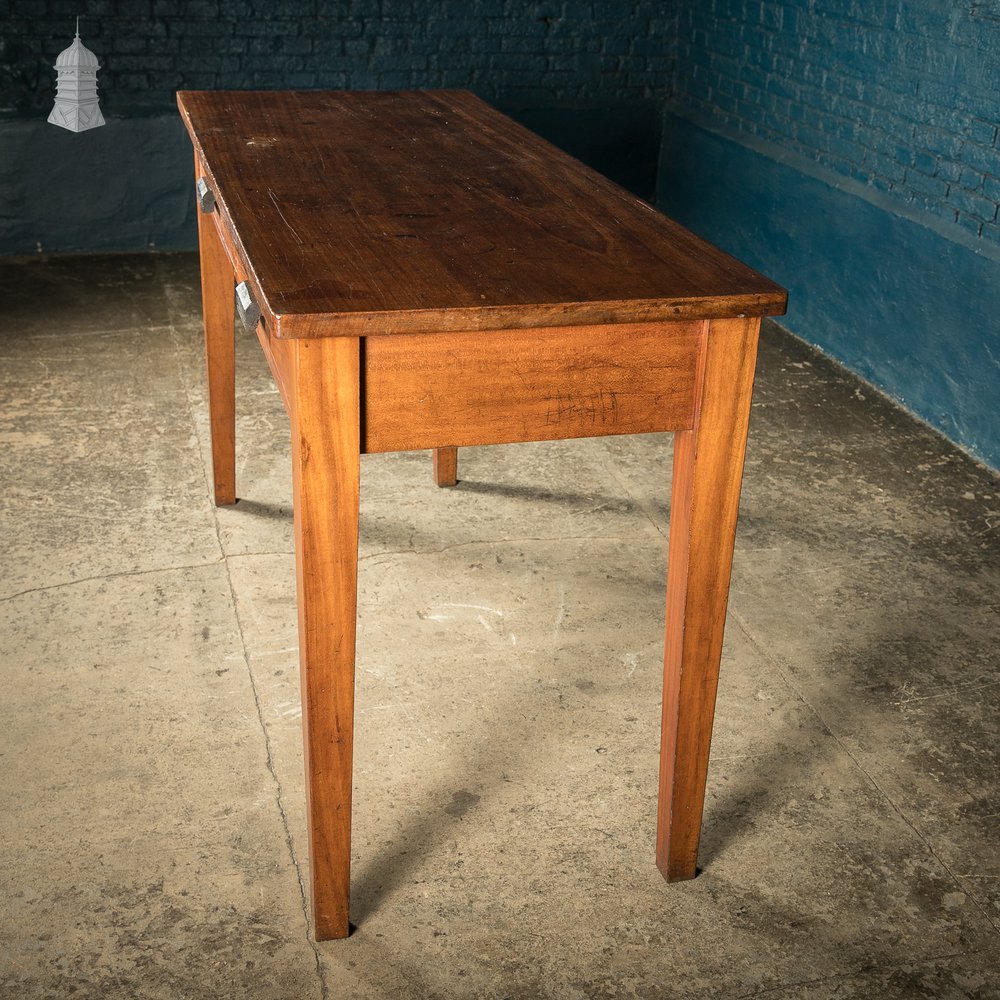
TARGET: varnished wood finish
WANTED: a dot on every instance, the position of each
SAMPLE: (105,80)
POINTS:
(431,275)
(218,312)
(446,466)
(427,390)
(705,496)
(325,475)
(279,355)
(376,213)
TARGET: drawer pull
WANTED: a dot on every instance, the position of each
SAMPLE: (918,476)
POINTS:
(206,197)
(248,309)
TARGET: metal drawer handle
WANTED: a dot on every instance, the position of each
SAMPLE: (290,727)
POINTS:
(248,309)
(206,197)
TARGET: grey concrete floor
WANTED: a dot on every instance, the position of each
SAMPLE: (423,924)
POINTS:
(152,838)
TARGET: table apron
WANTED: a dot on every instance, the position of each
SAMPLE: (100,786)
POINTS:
(431,390)
(277,352)
(435,390)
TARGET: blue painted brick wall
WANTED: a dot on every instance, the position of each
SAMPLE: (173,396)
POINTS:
(606,50)
(900,95)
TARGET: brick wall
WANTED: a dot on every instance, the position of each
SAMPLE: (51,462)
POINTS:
(900,96)
(591,77)
(518,52)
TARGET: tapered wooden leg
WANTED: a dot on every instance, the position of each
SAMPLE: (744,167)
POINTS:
(325,408)
(708,468)
(218,285)
(446,466)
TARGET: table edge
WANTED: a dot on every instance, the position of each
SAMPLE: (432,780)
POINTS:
(297,326)
(452,319)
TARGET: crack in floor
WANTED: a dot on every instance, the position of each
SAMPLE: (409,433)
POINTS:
(269,756)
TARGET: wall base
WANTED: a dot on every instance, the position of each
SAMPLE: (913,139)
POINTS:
(127,186)
(911,311)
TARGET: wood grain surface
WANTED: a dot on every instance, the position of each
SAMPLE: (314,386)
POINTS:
(436,390)
(325,479)
(386,212)
(446,466)
(218,312)
(704,504)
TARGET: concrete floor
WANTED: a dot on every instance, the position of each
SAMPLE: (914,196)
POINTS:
(509,671)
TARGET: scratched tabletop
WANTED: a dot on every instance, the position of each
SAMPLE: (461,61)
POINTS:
(384,212)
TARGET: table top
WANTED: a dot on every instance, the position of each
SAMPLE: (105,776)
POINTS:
(377,212)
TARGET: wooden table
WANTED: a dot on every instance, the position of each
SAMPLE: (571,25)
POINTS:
(430,275)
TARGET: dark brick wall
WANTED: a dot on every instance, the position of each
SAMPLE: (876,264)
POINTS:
(901,96)
(510,52)
(591,77)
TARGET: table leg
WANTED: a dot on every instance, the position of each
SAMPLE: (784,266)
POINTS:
(708,468)
(325,413)
(218,285)
(446,466)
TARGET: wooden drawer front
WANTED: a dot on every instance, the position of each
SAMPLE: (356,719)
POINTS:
(431,390)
